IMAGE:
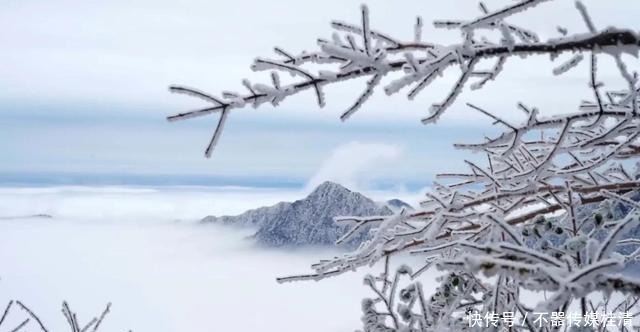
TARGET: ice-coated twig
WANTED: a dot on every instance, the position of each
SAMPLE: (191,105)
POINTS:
(21,325)
(360,51)
(539,213)
(69,315)
(33,315)
(5,312)
(101,318)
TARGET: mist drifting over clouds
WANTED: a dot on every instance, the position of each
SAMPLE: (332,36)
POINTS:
(354,164)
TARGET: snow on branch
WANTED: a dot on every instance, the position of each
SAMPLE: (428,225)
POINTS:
(33,321)
(360,51)
(553,208)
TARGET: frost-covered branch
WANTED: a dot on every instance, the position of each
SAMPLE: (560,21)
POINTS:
(552,209)
(33,321)
(359,51)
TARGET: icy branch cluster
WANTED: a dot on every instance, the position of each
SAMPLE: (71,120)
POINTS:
(541,215)
(356,50)
(32,322)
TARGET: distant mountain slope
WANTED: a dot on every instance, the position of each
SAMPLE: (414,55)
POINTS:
(253,217)
(308,221)
(33,216)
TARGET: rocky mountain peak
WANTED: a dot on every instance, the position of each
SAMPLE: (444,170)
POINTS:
(307,221)
(329,188)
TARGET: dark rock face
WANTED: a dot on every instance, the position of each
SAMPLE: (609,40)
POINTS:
(308,221)
(398,205)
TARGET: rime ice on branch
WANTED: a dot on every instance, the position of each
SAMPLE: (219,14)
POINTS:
(33,321)
(541,215)
(358,51)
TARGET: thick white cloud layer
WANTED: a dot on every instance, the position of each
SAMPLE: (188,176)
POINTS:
(122,245)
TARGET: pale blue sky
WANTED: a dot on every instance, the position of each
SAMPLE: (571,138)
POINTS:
(83,91)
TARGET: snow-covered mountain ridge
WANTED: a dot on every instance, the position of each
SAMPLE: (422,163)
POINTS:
(309,221)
